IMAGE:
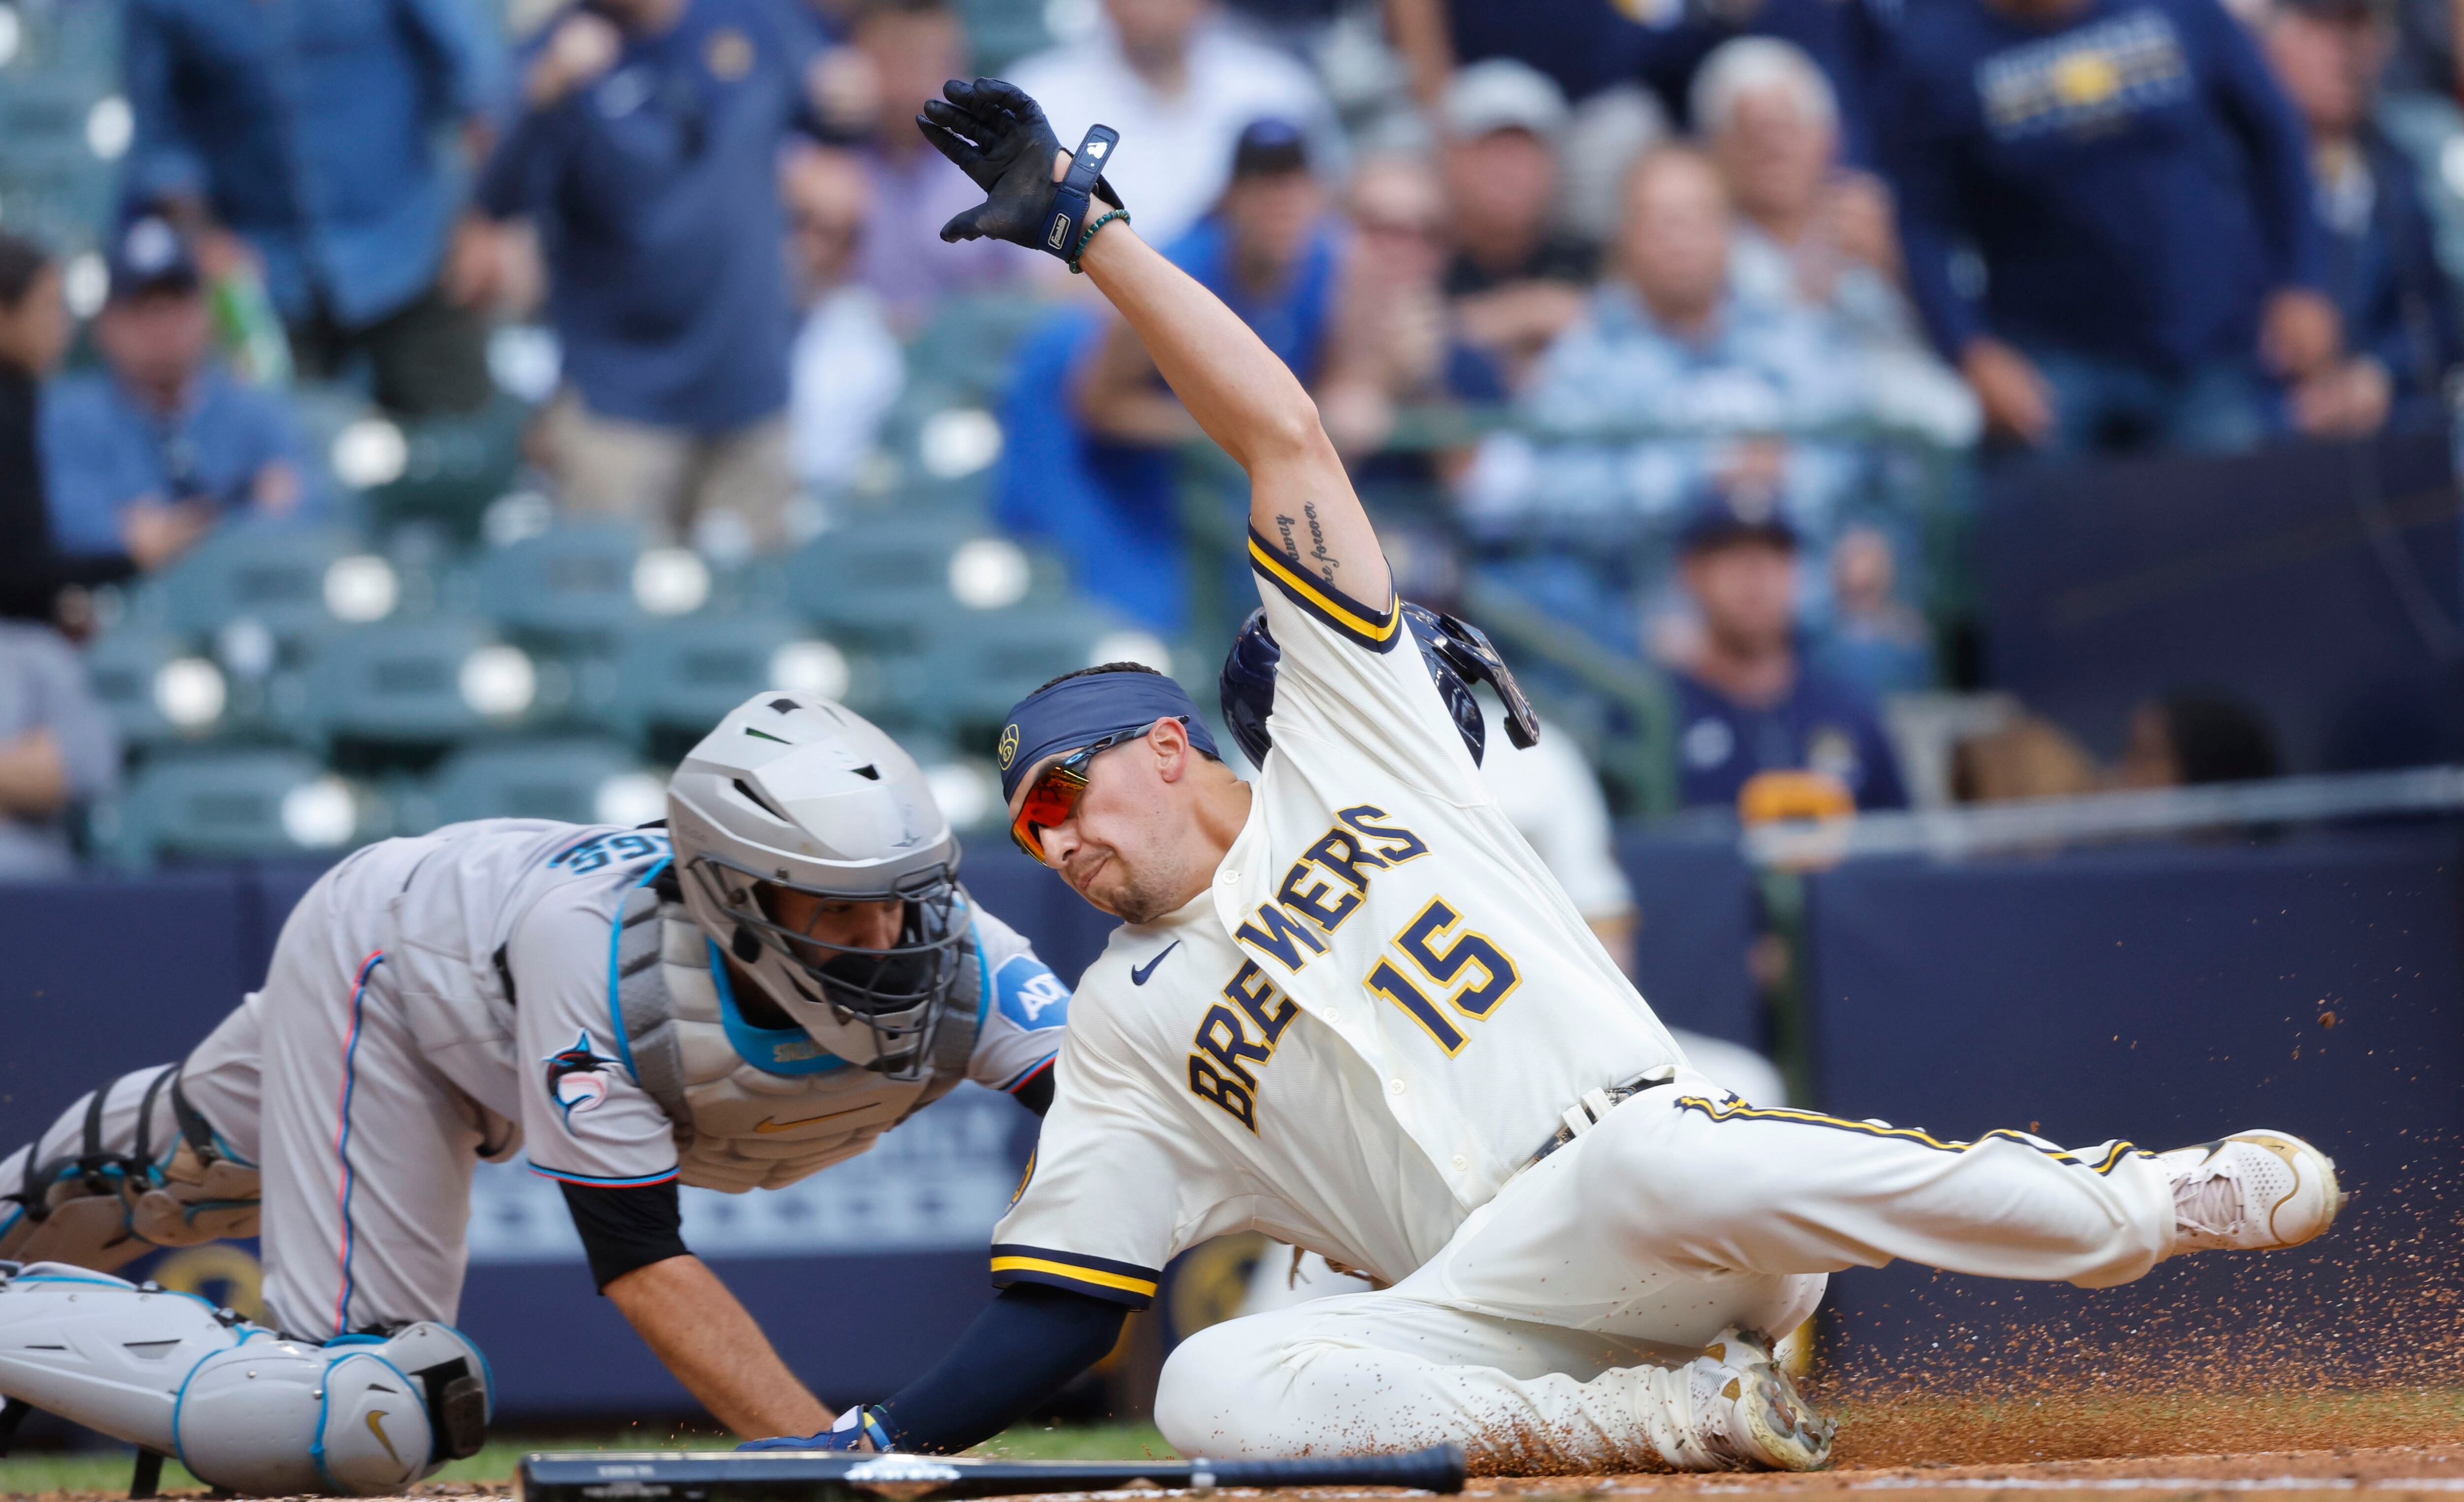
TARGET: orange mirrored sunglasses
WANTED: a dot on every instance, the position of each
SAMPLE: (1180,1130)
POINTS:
(1055,794)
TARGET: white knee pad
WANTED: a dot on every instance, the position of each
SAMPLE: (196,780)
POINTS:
(244,1408)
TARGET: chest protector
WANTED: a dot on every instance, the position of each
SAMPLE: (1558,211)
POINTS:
(741,1126)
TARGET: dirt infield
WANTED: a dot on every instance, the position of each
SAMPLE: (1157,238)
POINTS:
(2211,1445)
(2379,1475)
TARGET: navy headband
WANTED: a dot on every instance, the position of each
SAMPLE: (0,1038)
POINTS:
(1081,711)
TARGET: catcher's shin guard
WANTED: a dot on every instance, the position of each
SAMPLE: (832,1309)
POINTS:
(116,1194)
(244,1408)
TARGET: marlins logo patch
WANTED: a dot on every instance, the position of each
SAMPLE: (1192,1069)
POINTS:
(576,1078)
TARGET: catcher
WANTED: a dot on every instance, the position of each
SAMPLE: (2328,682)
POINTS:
(786,971)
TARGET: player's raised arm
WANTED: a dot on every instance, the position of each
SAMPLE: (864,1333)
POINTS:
(1248,400)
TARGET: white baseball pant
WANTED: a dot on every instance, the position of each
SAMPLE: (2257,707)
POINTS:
(1548,1332)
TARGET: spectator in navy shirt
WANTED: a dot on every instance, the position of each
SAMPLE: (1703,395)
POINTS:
(647,149)
(2138,192)
(2398,307)
(1748,703)
(308,133)
(162,442)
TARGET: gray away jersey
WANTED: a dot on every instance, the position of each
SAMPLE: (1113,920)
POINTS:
(504,939)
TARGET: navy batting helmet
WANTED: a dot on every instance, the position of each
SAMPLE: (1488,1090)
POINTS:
(1456,652)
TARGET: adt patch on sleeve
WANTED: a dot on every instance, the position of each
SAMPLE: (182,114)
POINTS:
(1030,995)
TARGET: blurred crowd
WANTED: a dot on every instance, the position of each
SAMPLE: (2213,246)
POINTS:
(1670,317)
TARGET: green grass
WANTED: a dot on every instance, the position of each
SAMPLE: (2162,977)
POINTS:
(107,1473)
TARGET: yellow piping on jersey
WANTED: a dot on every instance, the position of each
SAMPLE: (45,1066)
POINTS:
(1127,1284)
(1299,583)
(1738,1110)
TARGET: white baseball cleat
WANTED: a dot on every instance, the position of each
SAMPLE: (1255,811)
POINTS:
(1749,1416)
(2253,1191)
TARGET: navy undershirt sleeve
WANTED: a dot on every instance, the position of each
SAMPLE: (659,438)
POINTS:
(1020,1351)
(1036,1094)
(625,1226)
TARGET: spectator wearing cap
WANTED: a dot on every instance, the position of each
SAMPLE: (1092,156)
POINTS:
(1515,278)
(1086,389)
(900,53)
(645,149)
(2381,263)
(37,581)
(1812,231)
(162,440)
(2138,192)
(1180,85)
(1670,381)
(307,138)
(1747,702)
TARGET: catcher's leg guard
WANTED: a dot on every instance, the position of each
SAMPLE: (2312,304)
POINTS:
(244,1408)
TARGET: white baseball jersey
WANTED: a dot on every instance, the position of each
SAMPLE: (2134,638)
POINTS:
(1375,1015)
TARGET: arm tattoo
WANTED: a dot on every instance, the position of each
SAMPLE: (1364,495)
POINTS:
(1317,544)
(1284,526)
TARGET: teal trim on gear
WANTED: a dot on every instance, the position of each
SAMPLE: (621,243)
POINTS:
(760,1046)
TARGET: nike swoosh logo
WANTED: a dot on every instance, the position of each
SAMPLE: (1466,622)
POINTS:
(1139,973)
(376,1426)
(766,1125)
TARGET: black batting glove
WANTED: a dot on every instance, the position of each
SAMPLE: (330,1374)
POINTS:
(999,138)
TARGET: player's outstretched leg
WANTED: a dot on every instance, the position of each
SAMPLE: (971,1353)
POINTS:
(1693,1178)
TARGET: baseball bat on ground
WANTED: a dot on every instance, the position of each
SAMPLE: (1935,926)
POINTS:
(836,1476)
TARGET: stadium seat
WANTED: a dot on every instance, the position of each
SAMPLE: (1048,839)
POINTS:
(884,580)
(270,572)
(978,664)
(570,588)
(426,682)
(579,780)
(879,581)
(232,804)
(1001,32)
(674,679)
(967,348)
(453,467)
(126,667)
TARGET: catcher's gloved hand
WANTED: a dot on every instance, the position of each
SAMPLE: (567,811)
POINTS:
(999,137)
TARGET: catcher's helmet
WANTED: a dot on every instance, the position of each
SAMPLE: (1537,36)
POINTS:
(796,791)
(1456,652)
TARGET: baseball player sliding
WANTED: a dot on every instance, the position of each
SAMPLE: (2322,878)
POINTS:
(737,999)
(1348,1007)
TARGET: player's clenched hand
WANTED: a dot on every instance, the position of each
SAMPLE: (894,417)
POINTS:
(999,137)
